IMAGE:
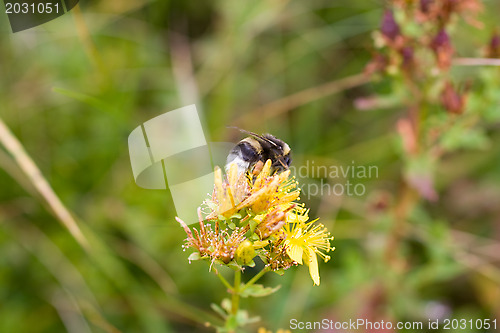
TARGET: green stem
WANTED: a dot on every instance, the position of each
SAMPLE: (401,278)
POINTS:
(255,278)
(236,292)
(224,281)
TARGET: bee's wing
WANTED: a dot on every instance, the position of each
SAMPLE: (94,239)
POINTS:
(255,135)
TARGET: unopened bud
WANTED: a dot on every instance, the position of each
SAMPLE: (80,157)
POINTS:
(389,27)
(441,45)
(425,6)
(494,46)
(245,253)
(451,100)
(408,57)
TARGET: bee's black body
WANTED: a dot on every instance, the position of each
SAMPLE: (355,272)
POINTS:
(257,148)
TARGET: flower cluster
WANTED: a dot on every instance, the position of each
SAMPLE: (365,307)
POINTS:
(411,31)
(416,50)
(258,216)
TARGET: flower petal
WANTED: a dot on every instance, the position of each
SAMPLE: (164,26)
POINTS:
(232,174)
(295,252)
(313,266)
(266,171)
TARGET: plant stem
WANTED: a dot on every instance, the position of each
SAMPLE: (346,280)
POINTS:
(255,278)
(224,281)
(235,300)
(408,199)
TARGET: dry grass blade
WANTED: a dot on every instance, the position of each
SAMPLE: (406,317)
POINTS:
(29,168)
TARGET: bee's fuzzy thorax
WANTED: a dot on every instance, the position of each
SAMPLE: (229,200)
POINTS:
(255,148)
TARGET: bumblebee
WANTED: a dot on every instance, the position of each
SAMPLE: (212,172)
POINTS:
(252,152)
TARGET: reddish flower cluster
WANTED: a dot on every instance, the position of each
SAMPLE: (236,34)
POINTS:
(433,17)
(413,45)
(442,11)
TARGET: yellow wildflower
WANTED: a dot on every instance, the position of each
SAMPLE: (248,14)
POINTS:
(269,190)
(214,244)
(270,223)
(303,241)
(237,192)
(265,205)
(228,194)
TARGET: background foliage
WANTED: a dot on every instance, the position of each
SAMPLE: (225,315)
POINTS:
(73,89)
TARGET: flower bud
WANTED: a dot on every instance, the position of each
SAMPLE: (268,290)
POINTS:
(441,45)
(408,56)
(389,27)
(245,253)
(451,100)
(494,46)
(425,6)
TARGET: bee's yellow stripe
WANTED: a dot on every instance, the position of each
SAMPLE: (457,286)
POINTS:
(254,143)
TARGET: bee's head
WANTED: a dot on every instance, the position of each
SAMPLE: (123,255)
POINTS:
(281,151)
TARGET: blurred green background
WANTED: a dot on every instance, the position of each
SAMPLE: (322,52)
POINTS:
(73,89)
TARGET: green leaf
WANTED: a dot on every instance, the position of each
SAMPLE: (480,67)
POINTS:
(226,304)
(262,256)
(258,290)
(280,272)
(87,99)
(253,224)
(194,256)
(254,237)
(219,262)
(219,310)
(244,319)
(461,136)
(234,265)
(231,323)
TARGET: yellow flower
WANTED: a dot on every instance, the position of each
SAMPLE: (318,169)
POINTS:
(238,192)
(214,244)
(270,223)
(228,194)
(273,221)
(299,214)
(269,190)
(304,240)
(266,206)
